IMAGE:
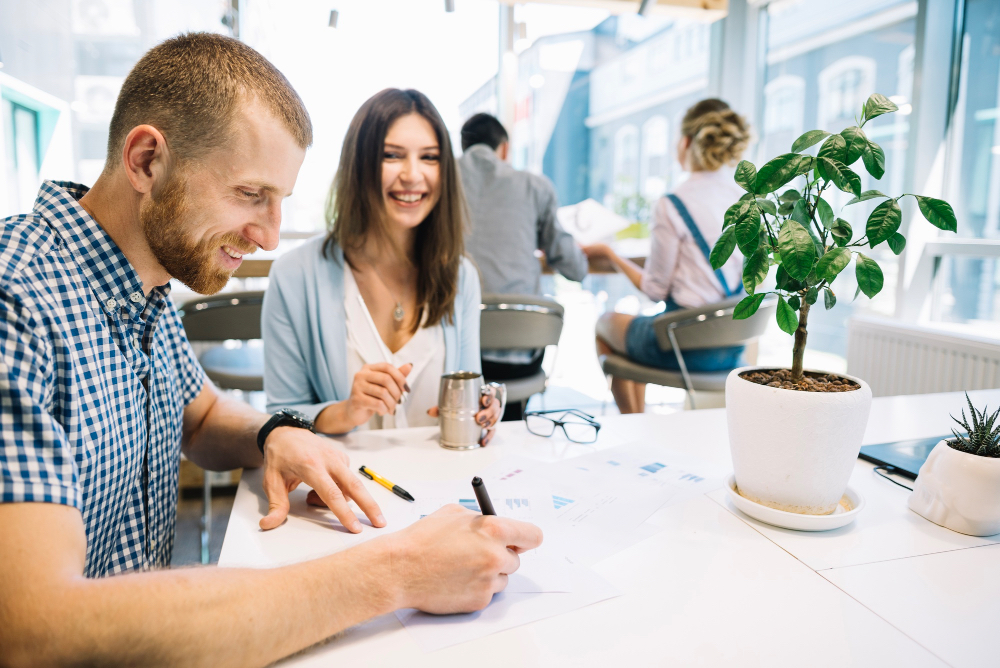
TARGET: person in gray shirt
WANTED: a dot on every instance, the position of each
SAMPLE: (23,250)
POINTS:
(512,214)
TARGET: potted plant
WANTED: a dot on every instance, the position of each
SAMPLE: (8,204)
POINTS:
(794,433)
(958,486)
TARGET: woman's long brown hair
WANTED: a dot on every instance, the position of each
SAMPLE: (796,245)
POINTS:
(355,209)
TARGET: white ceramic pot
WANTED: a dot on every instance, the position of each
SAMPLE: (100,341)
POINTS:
(959,491)
(794,450)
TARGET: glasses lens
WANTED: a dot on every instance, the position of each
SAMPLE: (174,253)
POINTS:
(539,425)
(580,432)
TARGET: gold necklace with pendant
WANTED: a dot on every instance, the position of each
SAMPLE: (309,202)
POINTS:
(397,313)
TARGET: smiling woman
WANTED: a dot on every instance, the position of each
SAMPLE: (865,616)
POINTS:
(360,326)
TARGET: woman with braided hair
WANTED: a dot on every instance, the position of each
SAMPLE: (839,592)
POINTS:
(686,224)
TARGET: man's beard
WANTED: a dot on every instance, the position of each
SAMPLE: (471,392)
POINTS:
(168,225)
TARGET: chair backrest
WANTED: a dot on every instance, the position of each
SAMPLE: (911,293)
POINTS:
(231,315)
(712,325)
(519,322)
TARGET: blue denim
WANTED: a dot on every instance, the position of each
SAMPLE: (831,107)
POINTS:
(641,346)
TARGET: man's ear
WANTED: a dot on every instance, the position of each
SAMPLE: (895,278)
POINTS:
(502,150)
(145,158)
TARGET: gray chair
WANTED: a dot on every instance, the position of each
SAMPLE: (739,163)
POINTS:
(520,322)
(710,326)
(231,316)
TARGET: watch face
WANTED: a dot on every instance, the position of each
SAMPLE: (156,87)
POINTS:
(301,419)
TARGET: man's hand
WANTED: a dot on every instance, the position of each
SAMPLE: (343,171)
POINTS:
(454,560)
(377,388)
(293,456)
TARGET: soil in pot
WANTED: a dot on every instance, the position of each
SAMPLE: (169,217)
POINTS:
(811,381)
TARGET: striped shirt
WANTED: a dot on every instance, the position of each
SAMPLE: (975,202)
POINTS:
(94,378)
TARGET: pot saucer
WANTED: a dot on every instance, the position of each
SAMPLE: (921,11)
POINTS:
(851,504)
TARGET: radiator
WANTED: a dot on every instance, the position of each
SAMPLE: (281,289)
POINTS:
(895,357)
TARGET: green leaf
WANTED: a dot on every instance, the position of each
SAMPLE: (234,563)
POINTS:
(832,263)
(834,148)
(938,213)
(798,252)
(883,222)
(748,229)
(840,174)
(808,139)
(842,232)
(869,275)
(786,282)
(878,105)
(732,213)
(786,317)
(748,306)
(874,159)
(723,248)
(794,302)
(897,242)
(829,299)
(800,212)
(790,196)
(746,175)
(825,212)
(779,171)
(786,208)
(748,197)
(812,295)
(865,196)
(755,270)
(767,206)
(856,143)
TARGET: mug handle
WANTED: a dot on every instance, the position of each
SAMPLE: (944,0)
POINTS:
(501,394)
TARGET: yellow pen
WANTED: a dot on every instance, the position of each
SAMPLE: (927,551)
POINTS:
(395,489)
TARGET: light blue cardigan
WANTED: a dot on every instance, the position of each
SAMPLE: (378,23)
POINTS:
(305,335)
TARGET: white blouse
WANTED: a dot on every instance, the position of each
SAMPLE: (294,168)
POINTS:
(425,350)
(676,266)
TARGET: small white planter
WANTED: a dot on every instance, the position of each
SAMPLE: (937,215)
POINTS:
(959,491)
(794,450)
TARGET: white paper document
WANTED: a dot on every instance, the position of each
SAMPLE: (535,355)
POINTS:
(602,500)
(507,610)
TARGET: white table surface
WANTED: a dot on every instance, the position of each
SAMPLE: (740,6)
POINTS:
(712,587)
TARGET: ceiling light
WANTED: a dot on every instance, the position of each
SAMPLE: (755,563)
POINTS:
(449,5)
(334,15)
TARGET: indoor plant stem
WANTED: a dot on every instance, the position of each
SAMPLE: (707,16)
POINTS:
(799,349)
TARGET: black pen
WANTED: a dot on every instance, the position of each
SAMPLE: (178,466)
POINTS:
(482,497)
(395,489)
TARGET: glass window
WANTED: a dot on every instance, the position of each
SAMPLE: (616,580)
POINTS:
(969,291)
(823,60)
(626,160)
(21,155)
(655,163)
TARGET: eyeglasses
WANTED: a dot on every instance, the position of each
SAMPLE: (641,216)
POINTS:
(578,426)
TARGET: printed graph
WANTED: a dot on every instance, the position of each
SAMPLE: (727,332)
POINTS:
(471,504)
(517,503)
(613,462)
(560,502)
(652,468)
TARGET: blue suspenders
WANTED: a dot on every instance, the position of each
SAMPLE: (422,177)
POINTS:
(700,240)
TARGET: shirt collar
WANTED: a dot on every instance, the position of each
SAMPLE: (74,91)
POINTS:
(112,277)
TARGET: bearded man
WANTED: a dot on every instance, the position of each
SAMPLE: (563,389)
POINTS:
(100,392)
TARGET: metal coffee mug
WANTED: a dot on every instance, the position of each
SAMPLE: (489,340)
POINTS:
(458,403)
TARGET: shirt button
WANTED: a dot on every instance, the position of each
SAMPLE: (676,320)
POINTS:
(136,297)
(112,304)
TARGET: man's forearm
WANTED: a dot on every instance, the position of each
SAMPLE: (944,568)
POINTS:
(227,436)
(209,616)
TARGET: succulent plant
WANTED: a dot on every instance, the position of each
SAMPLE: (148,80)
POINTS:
(983,437)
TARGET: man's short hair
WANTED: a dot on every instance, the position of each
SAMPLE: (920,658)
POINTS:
(483,129)
(191,88)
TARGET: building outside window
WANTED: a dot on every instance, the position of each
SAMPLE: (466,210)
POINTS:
(654,164)
(784,98)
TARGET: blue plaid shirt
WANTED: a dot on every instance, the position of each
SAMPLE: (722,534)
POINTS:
(94,378)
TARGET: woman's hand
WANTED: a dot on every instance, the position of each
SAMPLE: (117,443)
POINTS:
(487,417)
(598,252)
(377,389)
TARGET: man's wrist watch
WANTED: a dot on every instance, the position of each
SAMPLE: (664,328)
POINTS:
(286,417)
